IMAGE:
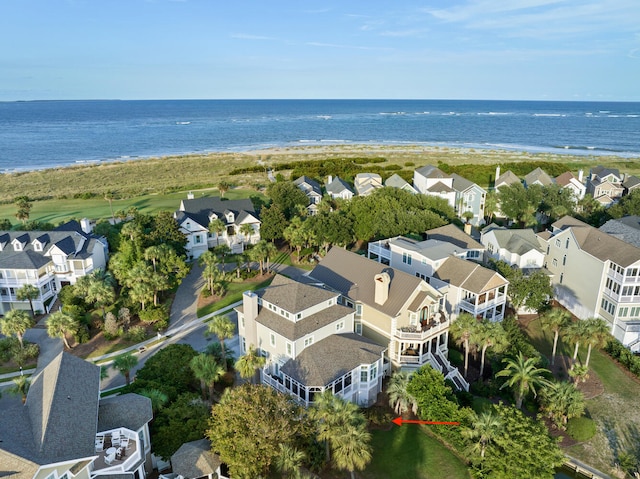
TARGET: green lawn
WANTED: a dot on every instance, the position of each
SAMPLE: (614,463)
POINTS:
(58,210)
(408,452)
(615,411)
(234,293)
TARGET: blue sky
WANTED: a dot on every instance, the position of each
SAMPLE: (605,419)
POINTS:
(232,49)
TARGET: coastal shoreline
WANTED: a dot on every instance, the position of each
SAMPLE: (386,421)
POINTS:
(366,149)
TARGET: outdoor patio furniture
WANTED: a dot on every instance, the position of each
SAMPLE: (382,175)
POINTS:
(124,442)
(108,459)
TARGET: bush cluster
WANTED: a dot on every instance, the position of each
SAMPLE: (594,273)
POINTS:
(623,355)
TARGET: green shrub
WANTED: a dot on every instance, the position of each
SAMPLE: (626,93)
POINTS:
(581,428)
(154,315)
(456,357)
(136,334)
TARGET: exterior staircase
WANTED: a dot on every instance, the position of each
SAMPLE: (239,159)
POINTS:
(451,372)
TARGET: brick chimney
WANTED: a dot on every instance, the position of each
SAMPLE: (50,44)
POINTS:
(382,283)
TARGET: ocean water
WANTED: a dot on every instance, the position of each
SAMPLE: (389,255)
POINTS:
(43,134)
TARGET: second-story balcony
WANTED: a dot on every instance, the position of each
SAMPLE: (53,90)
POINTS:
(381,250)
(427,329)
(118,451)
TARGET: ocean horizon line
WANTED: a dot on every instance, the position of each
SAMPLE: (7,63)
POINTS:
(506,100)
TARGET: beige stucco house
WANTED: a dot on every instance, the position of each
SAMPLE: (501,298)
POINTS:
(394,309)
(307,336)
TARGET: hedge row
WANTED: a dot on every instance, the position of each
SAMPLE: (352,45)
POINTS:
(623,355)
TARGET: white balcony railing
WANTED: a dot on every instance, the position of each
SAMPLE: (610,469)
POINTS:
(424,334)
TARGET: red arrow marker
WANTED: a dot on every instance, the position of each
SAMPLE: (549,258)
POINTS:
(399,422)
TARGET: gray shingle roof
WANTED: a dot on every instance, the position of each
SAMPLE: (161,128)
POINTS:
(538,175)
(461,184)
(631,182)
(63,408)
(430,171)
(506,178)
(452,234)
(195,459)
(468,275)
(440,187)
(353,276)
(324,361)
(396,181)
(199,209)
(518,241)
(602,171)
(58,421)
(313,184)
(337,186)
(598,243)
(298,329)
(131,411)
(294,296)
(75,244)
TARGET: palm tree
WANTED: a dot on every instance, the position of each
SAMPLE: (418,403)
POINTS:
(100,293)
(158,398)
(155,253)
(597,335)
(16,322)
(124,364)
(576,333)
(485,428)
(488,334)
(289,460)
(218,227)
(399,399)
(222,327)
(142,293)
(556,320)
(352,449)
(332,416)
(523,376)
(249,363)
(207,370)
(215,349)
(21,387)
(561,401)
(110,196)
(60,324)
(579,373)
(212,276)
(28,293)
(247,231)
(461,330)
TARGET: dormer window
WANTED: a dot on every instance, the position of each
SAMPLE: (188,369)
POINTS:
(17,246)
(212,217)
(37,246)
(230,217)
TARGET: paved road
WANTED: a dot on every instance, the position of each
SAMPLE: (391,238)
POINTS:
(185,303)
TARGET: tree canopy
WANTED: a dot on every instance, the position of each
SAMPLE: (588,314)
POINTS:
(248,426)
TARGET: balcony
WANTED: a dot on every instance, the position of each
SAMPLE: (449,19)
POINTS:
(117,451)
(380,249)
(435,325)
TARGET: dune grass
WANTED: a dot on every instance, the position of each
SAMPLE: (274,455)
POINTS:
(407,451)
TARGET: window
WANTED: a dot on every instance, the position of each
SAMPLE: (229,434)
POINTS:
(635,312)
(364,374)
(561,277)
(308,341)
(272,339)
(243,345)
(564,260)
(555,262)
(558,242)
(358,328)
(242,321)
(289,349)
(406,258)
(623,312)
(197,239)
(358,309)
(566,245)
(374,372)
(299,315)
(340,326)
(473,254)
(37,246)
